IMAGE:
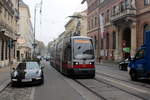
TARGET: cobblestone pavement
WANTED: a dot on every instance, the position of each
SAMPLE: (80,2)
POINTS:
(16,93)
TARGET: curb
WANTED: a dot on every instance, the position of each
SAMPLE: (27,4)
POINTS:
(4,85)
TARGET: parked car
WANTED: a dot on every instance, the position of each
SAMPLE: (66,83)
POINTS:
(123,65)
(27,72)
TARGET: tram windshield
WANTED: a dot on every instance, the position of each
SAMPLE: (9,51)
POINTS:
(83,49)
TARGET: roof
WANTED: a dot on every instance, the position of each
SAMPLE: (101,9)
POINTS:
(21,3)
(83,1)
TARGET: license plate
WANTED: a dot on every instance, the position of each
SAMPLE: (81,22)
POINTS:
(26,80)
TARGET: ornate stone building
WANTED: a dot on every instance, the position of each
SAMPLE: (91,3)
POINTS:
(9,16)
(25,30)
(77,25)
(121,26)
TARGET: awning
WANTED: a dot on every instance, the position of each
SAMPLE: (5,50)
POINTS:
(127,49)
(8,33)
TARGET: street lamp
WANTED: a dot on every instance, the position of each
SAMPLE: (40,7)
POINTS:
(35,9)
(34,29)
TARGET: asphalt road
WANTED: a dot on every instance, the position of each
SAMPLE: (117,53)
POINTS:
(55,87)
(109,84)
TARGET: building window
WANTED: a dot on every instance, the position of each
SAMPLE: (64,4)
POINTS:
(95,42)
(2,51)
(88,25)
(107,41)
(96,21)
(114,10)
(92,23)
(14,50)
(146,2)
(6,50)
(145,28)
(102,45)
(107,16)
(114,40)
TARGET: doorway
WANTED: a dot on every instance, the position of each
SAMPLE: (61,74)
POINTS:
(126,42)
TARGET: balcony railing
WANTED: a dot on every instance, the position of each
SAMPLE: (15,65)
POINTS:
(8,5)
(123,15)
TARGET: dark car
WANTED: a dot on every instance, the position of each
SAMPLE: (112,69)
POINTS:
(124,64)
(27,72)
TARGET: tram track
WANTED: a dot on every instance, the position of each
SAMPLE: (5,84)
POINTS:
(130,93)
(89,89)
(103,97)
(106,75)
(92,85)
(110,84)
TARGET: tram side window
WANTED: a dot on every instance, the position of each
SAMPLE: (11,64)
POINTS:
(67,53)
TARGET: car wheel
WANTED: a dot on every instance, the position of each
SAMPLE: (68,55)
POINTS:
(120,67)
(133,75)
(92,76)
(42,80)
(13,84)
(126,68)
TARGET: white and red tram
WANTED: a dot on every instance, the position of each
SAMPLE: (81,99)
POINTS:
(74,56)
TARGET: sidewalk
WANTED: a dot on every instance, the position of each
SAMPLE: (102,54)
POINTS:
(5,77)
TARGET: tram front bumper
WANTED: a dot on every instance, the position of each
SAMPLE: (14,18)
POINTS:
(81,71)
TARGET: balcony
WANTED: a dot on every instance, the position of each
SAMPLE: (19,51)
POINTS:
(121,16)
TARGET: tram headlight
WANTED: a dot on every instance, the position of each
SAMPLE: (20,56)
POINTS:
(91,63)
(76,63)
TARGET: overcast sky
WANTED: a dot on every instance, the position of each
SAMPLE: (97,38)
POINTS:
(53,16)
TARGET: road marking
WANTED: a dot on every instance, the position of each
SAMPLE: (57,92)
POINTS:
(4,85)
(120,83)
(32,94)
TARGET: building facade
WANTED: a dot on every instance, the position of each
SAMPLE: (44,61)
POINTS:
(25,30)
(93,23)
(121,26)
(77,25)
(9,16)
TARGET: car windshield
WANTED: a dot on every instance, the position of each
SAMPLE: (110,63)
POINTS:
(32,65)
(28,66)
(83,49)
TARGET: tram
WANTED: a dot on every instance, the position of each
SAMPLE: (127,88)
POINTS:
(74,56)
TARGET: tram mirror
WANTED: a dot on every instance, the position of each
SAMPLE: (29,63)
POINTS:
(69,46)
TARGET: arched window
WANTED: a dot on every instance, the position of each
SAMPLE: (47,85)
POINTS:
(2,50)
(145,28)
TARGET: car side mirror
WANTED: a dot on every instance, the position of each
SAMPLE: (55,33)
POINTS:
(13,68)
(42,67)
